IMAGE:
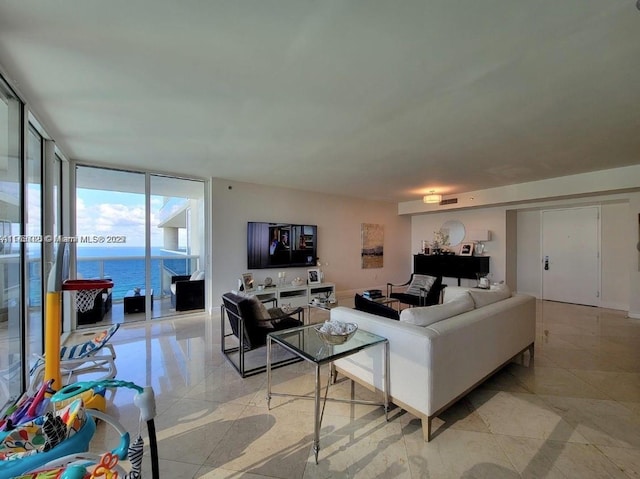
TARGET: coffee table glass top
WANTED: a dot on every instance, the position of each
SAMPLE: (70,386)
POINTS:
(305,341)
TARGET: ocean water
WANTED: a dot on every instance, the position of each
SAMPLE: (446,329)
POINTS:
(125,267)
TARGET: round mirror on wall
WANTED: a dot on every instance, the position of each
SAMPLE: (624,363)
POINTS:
(455,230)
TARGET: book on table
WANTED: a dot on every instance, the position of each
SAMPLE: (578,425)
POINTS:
(372,293)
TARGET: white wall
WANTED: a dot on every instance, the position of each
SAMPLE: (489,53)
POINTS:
(529,254)
(620,261)
(493,219)
(615,244)
(615,240)
(338,218)
(633,252)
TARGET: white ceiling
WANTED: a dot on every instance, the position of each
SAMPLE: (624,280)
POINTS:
(375,98)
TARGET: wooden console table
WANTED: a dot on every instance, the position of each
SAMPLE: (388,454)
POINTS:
(451,266)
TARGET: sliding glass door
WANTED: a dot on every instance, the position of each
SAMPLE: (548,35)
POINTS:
(110,242)
(33,246)
(142,231)
(177,241)
(12,353)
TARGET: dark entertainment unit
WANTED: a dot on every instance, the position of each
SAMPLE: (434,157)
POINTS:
(451,266)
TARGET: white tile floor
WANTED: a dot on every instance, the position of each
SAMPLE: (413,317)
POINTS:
(573,412)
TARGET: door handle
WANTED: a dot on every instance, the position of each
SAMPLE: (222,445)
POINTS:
(546,263)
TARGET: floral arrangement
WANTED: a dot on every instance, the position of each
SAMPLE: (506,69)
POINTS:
(440,240)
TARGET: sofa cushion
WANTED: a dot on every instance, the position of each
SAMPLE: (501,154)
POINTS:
(420,281)
(368,306)
(483,297)
(424,316)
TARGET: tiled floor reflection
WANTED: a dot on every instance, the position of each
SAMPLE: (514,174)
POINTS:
(573,412)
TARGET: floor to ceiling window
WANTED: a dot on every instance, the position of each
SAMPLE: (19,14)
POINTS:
(110,230)
(139,230)
(11,331)
(178,237)
(33,245)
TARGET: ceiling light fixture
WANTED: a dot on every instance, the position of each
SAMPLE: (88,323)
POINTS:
(432,197)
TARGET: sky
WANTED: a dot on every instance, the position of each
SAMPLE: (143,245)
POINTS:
(105,213)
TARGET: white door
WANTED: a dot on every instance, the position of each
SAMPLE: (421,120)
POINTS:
(571,255)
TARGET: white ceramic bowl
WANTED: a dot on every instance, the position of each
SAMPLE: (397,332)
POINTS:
(334,339)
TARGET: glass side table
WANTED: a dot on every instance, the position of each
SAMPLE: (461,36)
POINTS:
(305,343)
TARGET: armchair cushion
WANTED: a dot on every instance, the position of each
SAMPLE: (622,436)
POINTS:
(196,275)
(419,282)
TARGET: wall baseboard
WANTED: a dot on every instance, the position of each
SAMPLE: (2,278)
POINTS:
(530,293)
(615,305)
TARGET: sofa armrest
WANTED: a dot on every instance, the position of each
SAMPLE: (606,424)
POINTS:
(477,342)
(409,357)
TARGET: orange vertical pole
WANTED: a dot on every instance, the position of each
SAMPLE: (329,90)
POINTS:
(52,340)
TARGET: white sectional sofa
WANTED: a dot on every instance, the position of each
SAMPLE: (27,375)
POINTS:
(433,366)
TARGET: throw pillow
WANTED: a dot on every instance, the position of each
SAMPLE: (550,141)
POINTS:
(420,281)
(433,295)
(483,297)
(199,276)
(194,275)
(424,316)
(260,311)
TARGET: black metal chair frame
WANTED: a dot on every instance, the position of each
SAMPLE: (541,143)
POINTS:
(231,310)
(420,299)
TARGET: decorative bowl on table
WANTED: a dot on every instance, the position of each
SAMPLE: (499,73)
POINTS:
(336,332)
(297,282)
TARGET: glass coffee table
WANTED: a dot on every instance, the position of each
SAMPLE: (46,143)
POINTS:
(307,344)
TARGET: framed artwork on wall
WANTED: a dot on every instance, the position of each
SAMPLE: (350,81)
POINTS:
(372,252)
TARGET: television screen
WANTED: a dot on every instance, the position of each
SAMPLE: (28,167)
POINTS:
(281,245)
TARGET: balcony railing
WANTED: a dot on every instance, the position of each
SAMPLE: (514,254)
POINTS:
(126,272)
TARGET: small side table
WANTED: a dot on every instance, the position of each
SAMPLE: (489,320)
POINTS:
(305,343)
(135,303)
(325,306)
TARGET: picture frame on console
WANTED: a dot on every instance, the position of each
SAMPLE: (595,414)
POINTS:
(313,276)
(466,249)
(247,281)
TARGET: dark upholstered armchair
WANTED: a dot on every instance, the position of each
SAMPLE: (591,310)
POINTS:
(187,293)
(250,323)
(422,290)
(101,306)
(371,306)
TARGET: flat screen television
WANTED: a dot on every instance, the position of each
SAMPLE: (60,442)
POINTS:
(281,245)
